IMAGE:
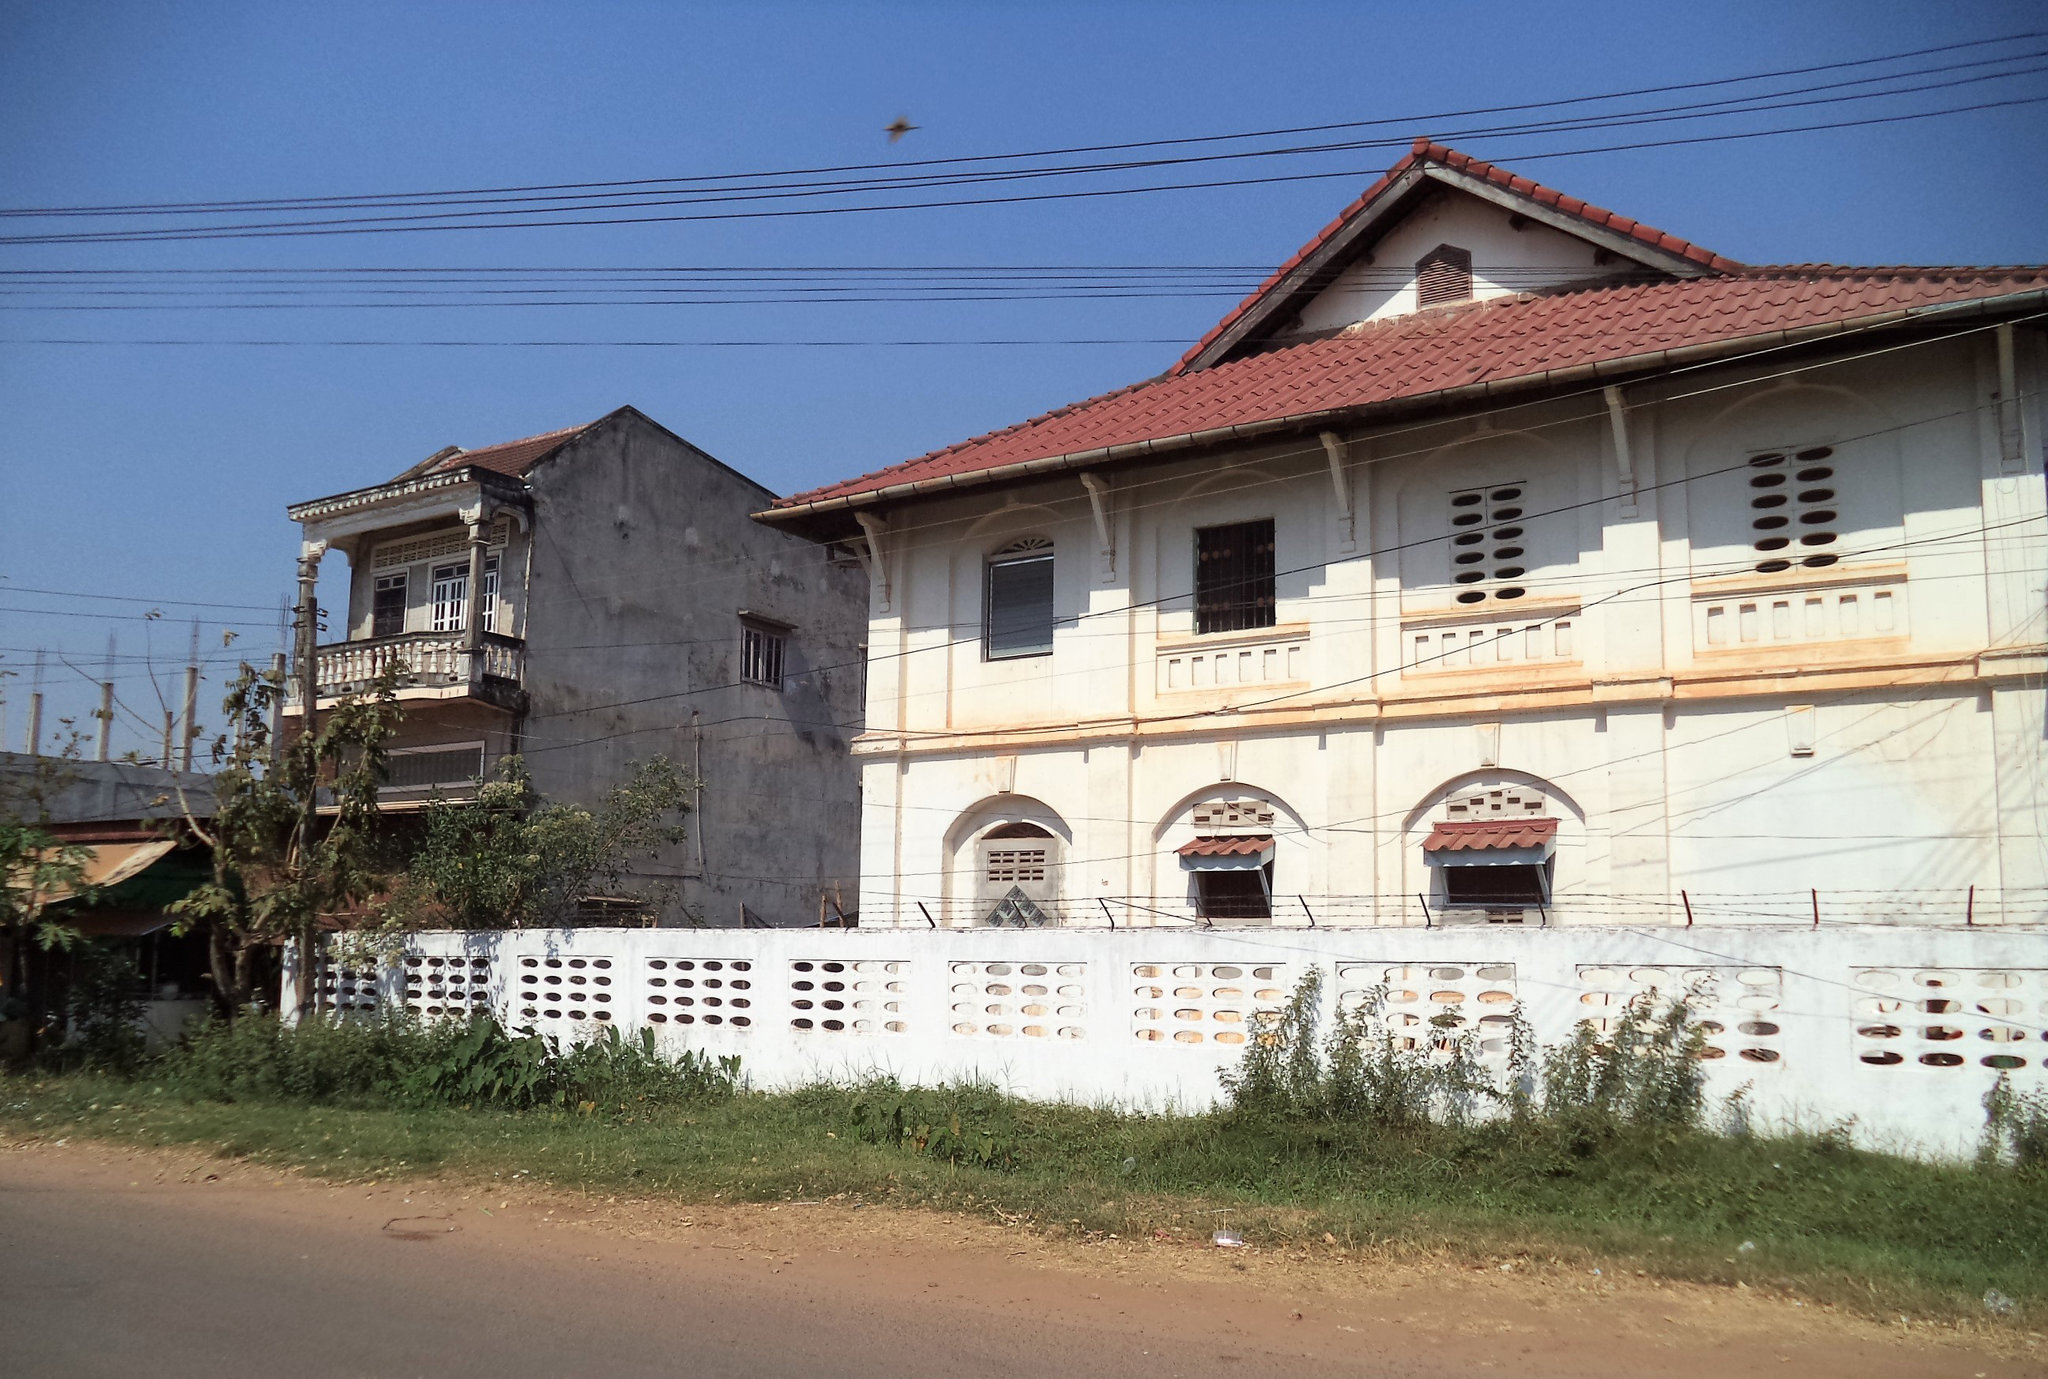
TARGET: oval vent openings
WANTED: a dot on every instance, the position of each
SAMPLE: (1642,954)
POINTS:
(1488,552)
(1794,514)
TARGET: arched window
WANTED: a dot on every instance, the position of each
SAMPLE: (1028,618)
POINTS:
(1493,850)
(1231,858)
(1017,607)
(1442,275)
(1019,875)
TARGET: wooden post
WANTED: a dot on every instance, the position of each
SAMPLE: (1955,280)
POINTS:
(1687,901)
(1816,909)
(1425,908)
(1969,908)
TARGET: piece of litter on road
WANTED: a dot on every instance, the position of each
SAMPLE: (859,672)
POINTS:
(1227,1240)
(1746,1247)
(1997,1303)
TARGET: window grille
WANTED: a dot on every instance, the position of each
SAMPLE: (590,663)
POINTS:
(1013,865)
(1241,894)
(418,768)
(387,606)
(451,597)
(451,594)
(1488,553)
(1234,577)
(1018,617)
(1516,884)
(761,656)
(435,545)
(1442,275)
(1796,509)
(487,606)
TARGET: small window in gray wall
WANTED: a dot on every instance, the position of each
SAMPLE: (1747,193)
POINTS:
(1018,617)
(761,651)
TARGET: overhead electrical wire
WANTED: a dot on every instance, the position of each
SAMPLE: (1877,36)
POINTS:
(897,183)
(897,168)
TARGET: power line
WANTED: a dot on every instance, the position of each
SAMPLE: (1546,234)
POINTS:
(476,219)
(897,168)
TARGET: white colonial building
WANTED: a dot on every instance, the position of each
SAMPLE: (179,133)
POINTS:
(1500,560)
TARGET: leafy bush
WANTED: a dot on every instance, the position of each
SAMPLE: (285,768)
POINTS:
(972,1124)
(1645,1073)
(1362,1074)
(399,1061)
(2015,1126)
(102,1013)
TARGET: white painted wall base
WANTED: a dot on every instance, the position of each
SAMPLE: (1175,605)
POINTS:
(1890,1027)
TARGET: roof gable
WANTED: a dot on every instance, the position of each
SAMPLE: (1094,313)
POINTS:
(1286,306)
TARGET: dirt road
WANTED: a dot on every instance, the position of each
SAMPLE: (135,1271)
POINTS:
(127,1262)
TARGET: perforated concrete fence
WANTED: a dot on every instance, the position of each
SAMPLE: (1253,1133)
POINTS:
(1902,1030)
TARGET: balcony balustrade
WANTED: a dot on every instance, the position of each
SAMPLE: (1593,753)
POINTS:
(431,665)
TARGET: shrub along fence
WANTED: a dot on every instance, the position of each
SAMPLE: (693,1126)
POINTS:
(1899,1033)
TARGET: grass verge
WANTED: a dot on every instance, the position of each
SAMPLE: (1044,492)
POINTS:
(1871,1232)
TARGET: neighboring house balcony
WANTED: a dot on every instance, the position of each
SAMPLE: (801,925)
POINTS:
(435,584)
(431,665)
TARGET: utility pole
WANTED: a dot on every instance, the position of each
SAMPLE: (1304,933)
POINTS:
(106,713)
(191,701)
(35,710)
(309,717)
(277,662)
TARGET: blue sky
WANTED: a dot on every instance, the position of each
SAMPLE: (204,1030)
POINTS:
(162,471)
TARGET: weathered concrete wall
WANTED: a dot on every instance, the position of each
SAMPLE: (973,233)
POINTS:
(1900,1031)
(643,558)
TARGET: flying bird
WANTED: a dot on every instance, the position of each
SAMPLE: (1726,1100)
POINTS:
(898,128)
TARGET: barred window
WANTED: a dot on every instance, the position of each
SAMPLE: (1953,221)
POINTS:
(761,651)
(1018,617)
(1234,577)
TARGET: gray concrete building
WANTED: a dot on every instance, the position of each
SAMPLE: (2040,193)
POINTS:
(598,596)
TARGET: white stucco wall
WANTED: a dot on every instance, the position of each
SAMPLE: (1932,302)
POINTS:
(1801,1013)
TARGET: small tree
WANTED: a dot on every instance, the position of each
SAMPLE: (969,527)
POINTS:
(37,869)
(507,859)
(293,830)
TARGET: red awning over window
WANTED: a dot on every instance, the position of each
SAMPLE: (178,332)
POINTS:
(1471,835)
(1243,845)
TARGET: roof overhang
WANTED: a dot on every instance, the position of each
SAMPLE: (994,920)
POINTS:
(831,518)
(1234,852)
(444,485)
(1494,842)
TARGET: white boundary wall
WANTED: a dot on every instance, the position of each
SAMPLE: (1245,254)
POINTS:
(1891,1026)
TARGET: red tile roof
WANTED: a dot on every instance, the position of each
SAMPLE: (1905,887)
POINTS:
(1242,845)
(507,457)
(1476,350)
(1470,835)
(1426,152)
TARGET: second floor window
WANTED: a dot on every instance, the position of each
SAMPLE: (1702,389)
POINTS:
(1018,618)
(387,606)
(761,651)
(451,597)
(1234,577)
